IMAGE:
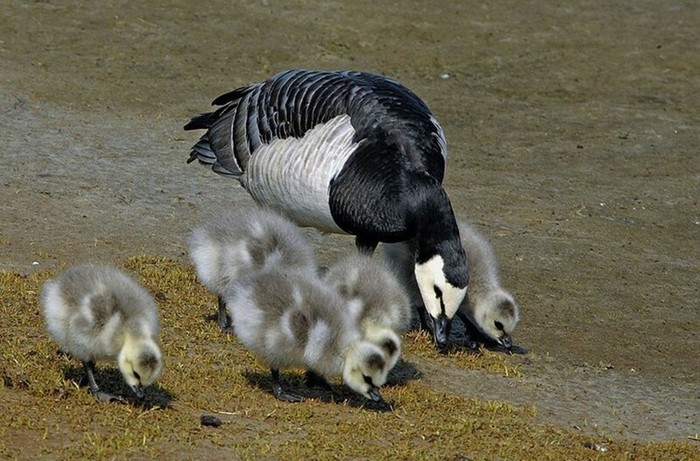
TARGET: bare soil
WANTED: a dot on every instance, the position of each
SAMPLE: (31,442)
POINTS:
(573,132)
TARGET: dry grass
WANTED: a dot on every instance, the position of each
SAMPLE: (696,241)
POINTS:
(45,414)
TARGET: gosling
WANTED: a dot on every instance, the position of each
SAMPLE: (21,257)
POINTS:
(378,294)
(291,319)
(243,242)
(487,306)
(97,313)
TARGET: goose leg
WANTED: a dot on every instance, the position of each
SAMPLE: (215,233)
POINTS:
(279,393)
(224,320)
(95,389)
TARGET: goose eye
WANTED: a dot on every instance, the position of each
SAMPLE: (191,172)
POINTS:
(438,292)
(368,380)
(498,325)
(136,375)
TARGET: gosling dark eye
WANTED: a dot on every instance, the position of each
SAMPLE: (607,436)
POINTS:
(498,325)
(438,292)
(136,375)
(368,380)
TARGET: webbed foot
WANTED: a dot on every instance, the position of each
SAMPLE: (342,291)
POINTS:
(101,396)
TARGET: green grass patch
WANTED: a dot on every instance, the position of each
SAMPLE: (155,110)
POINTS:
(45,413)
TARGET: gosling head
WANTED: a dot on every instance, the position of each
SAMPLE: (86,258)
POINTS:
(496,316)
(365,369)
(140,363)
(387,340)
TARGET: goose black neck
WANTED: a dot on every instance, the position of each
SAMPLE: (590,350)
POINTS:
(438,234)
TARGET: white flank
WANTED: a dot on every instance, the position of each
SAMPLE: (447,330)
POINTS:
(286,323)
(236,256)
(55,311)
(109,338)
(205,257)
(319,336)
(246,316)
(86,309)
(292,175)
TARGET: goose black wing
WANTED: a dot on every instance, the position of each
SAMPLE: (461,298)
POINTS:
(291,103)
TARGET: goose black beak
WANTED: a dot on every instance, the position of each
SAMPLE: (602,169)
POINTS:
(441,331)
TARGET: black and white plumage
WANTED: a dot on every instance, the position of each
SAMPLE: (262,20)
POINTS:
(381,297)
(292,319)
(346,152)
(98,312)
(240,243)
(487,305)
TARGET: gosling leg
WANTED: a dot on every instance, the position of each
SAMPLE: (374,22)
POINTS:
(279,392)
(95,389)
(224,320)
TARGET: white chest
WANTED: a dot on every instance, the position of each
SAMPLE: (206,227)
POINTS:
(293,175)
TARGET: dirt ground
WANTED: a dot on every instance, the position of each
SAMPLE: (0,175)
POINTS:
(572,127)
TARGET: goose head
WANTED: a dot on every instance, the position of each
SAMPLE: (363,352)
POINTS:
(442,289)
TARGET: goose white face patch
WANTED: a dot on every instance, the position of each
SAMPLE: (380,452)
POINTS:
(439,295)
(293,175)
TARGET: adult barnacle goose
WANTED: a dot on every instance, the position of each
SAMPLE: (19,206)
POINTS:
(345,152)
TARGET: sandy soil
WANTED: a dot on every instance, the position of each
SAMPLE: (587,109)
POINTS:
(573,132)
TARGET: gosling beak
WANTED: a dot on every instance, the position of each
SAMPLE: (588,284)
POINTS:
(138,391)
(506,342)
(441,331)
(373,394)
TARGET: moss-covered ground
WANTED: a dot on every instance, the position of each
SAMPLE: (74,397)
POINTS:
(46,414)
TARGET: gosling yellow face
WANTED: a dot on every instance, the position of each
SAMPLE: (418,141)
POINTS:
(497,316)
(366,369)
(140,364)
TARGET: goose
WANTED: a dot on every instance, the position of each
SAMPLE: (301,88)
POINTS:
(382,299)
(291,319)
(241,242)
(345,152)
(489,307)
(97,312)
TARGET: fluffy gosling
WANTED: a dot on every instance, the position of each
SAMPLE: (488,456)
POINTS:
(291,319)
(243,242)
(99,313)
(381,298)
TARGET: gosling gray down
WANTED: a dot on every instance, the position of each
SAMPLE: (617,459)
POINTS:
(487,306)
(291,319)
(98,312)
(378,293)
(243,242)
